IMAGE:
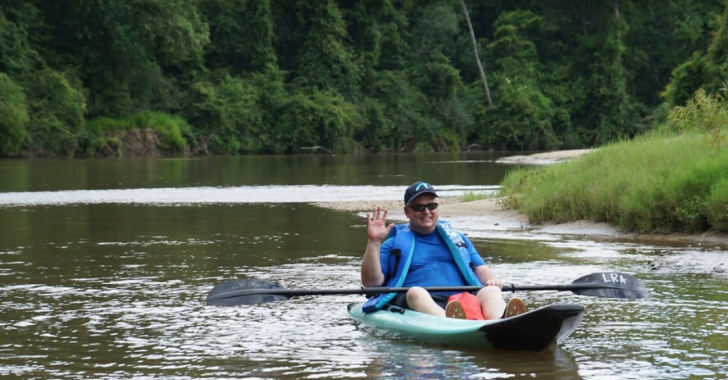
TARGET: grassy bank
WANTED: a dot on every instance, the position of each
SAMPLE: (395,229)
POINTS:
(656,183)
(144,133)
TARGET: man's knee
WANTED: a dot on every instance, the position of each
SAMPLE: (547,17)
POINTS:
(488,292)
(415,294)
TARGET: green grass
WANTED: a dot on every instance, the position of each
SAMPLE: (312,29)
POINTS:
(473,196)
(171,130)
(656,183)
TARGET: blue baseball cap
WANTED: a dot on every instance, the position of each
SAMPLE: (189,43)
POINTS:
(416,189)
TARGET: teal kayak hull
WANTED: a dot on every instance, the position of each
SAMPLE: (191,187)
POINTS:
(535,330)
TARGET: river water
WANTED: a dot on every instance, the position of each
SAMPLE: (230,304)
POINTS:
(105,265)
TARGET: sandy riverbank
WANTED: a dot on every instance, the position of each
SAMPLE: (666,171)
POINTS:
(495,213)
(545,158)
(489,212)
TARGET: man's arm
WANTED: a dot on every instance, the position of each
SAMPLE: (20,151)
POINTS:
(487,276)
(482,270)
(377,231)
(371,268)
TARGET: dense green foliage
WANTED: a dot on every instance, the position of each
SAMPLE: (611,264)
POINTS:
(278,76)
(706,113)
(655,183)
(13,116)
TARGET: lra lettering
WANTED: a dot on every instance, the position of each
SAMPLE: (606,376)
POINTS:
(614,277)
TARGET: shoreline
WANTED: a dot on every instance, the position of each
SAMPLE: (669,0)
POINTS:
(705,253)
(487,212)
(490,210)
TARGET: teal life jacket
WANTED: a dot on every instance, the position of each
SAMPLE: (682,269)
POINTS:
(401,257)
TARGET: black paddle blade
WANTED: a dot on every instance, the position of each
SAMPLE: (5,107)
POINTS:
(611,284)
(217,295)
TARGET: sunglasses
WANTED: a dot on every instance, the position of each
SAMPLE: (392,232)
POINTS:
(420,208)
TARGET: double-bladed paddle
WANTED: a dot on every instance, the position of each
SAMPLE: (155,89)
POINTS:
(247,292)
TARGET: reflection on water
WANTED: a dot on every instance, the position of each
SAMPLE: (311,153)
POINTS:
(399,360)
(475,168)
(113,291)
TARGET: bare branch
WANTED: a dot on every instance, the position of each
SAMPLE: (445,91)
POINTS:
(477,55)
(317,147)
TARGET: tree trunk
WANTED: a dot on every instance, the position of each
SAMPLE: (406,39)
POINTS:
(477,56)
(581,13)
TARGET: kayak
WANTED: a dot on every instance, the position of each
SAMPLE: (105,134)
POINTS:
(535,330)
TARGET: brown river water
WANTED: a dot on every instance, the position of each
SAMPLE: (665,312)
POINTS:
(105,265)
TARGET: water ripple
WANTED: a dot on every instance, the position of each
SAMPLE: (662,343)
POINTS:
(137,323)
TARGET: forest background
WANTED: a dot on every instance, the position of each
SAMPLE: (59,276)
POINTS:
(91,78)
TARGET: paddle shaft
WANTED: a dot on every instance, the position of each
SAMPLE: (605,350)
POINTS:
(384,290)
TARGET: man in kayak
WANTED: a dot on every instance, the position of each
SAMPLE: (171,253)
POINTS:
(429,252)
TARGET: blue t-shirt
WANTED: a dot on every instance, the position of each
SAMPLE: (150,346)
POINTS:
(432,263)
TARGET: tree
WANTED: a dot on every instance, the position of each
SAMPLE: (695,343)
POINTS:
(241,35)
(129,54)
(321,61)
(522,118)
(477,55)
(13,116)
